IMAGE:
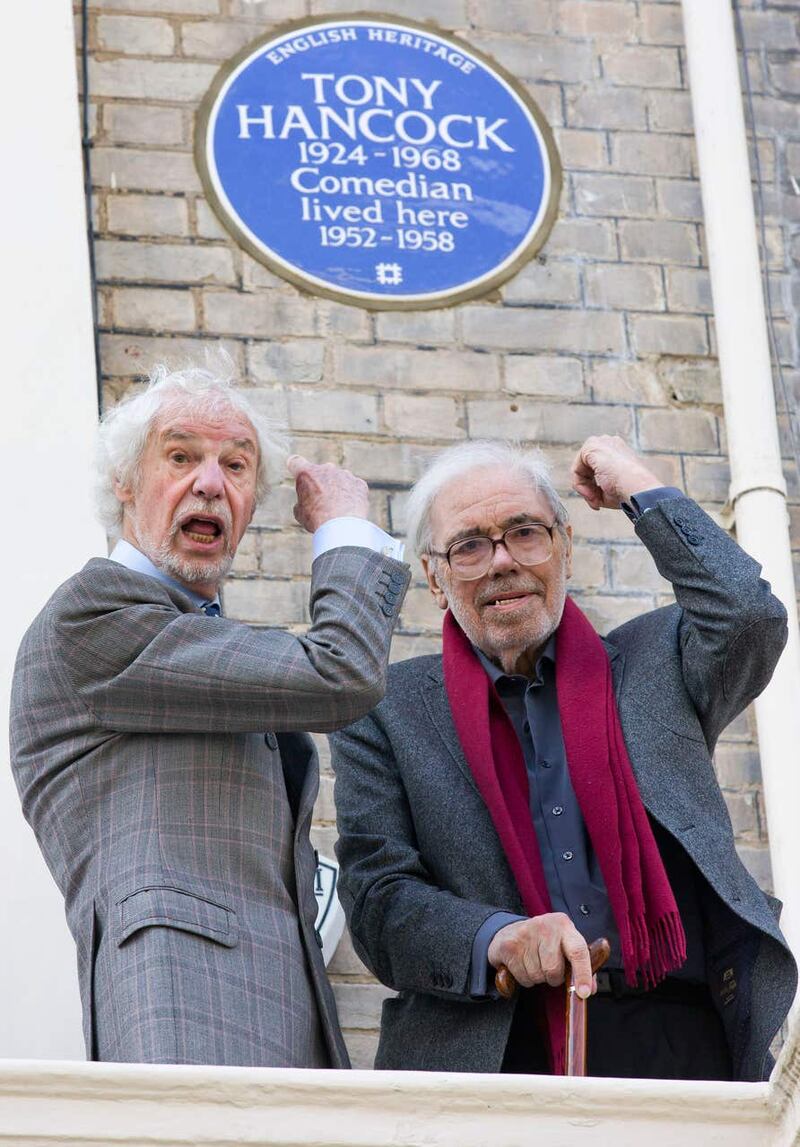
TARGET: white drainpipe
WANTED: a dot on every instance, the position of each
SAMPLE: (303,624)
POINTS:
(758,490)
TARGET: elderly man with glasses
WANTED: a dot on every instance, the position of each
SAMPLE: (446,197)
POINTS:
(536,787)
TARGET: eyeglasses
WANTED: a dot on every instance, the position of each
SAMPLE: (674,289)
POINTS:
(529,545)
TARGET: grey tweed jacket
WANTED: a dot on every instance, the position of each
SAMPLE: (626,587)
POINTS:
(159,759)
(422,866)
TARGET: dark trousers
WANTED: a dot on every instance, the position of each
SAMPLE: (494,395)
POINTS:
(657,1035)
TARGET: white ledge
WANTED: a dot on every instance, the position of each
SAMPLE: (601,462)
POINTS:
(99,1104)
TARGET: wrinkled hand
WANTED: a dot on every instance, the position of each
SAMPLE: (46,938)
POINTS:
(325,491)
(606,472)
(537,951)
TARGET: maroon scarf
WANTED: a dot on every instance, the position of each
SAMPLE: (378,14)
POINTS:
(651,934)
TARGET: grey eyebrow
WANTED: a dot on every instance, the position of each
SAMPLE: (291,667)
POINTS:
(506,524)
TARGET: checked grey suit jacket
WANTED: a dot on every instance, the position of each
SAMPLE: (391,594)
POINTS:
(161,764)
(422,866)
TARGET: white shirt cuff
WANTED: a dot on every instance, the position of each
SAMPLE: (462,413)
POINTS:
(355,532)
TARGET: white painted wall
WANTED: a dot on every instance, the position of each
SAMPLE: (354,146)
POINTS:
(45,446)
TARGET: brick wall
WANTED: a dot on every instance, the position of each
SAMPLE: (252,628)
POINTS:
(608,330)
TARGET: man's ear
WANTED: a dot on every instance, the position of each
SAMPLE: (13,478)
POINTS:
(568,550)
(429,566)
(123,493)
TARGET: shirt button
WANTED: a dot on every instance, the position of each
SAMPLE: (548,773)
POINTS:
(557,811)
(567,855)
(584,910)
(546,764)
(526,727)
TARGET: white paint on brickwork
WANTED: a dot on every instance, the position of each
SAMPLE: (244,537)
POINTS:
(50,412)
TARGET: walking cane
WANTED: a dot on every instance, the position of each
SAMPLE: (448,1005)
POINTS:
(599,951)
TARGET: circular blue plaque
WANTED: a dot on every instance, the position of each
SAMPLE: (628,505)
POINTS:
(378,161)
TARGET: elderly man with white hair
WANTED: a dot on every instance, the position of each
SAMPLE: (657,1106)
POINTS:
(535,787)
(161,750)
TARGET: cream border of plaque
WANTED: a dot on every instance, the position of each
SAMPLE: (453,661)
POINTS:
(353,298)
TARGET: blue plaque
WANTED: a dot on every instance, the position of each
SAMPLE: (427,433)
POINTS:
(378,161)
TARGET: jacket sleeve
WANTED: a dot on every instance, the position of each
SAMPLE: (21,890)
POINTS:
(732,627)
(412,934)
(139,664)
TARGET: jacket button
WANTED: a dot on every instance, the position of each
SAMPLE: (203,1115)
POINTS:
(318,937)
(272,741)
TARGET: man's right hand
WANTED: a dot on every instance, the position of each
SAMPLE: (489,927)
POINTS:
(537,951)
(325,491)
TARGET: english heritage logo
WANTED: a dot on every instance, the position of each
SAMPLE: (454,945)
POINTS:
(378,161)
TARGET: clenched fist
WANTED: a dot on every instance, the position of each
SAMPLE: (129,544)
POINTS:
(606,472)
(537,951)
(324,491)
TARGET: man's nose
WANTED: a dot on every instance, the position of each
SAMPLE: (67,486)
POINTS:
(208,482)
(502,561)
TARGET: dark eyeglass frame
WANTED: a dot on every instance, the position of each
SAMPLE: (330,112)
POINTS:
(495,543)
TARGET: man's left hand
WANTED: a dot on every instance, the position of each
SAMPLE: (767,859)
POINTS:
(607,472)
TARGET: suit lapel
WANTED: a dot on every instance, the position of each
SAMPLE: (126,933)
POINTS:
(437,704)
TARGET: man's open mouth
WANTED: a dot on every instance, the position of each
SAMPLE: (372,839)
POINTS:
(204,530)
(508,600)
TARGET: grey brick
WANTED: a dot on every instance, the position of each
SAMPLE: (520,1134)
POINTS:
(603,19)
(421,328)
(588,568)
(152,215)
(215,40)
(428,416)
(345,962)
(449,13)
(266,602)
(630,382)
(669,334)
(246,560)
(266,12)
(133,170)
(659,240)
(605,108)
(136,123)
(135,354)
(757,862)
(632,568)
(163,263)
(180,7)
(651,154)
(642,67)
(208,225)
(581,150)
(621,286)
(597,525)
(415,369)
(287,554)
(586,238)
(147,308)
(269,314)
(679,199)
(785,75)
(691,380)
(614,195)
(679,431)
(743,809)
(540,59)
(387,463)
(544,375)
(689,289)
(770,30)
(333,410)
(300,361)
(707,479)
(362,1047)
(420,611)
(135,35)
(173,80)
(544,281)
(607,611)
(670,111)
(517,328)
(548,99)
(545,422)
(661,24)
(523,17)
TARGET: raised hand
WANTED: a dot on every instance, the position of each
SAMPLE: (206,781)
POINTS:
(325,491)
(606,472)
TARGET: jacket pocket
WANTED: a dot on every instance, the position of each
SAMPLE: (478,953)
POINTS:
(167,907)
